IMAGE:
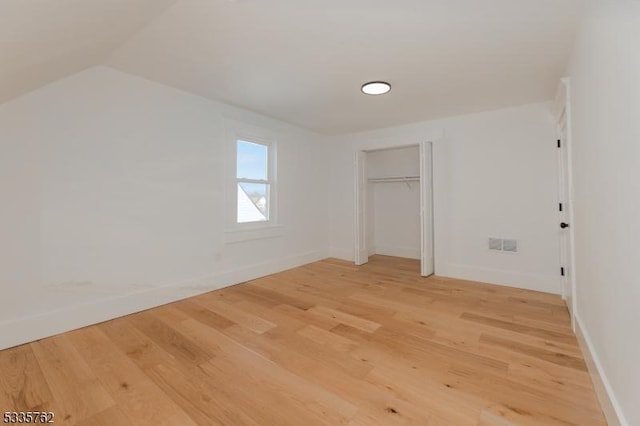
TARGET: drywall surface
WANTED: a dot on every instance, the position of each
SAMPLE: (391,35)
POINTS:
(494,175)
(395,205)
(605,106)
(113,192)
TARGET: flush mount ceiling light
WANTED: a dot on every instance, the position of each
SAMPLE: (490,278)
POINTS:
(375,88)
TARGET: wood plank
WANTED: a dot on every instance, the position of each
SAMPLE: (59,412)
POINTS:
(522,401)
(532,351)
(113,416)
(549,335)
(23,387)
(326,338)
(325,343)
(238,316)
(274,298)
(204,315)
(134,393)
(299,400)
(347,319)
(168,338)
(77,392)
(204,401)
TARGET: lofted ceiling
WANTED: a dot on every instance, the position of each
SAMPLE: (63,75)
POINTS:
(304,61)
(44,40)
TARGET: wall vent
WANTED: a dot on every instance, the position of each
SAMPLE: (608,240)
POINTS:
(510,245)
(495,244)
(502,244)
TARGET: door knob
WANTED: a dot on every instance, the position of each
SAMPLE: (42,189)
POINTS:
(564,225)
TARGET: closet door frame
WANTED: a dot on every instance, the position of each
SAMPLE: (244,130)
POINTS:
(427,258)
(427,262)
(361,245)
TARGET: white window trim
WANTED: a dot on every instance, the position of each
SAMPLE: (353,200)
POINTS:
(238,232)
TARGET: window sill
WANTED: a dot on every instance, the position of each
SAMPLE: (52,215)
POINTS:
(232,236)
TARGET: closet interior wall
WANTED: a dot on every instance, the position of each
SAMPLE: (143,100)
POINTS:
(393,202)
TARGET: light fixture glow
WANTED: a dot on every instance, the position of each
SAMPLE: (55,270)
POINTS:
(375,87)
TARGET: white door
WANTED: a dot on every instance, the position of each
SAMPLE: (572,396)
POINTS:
(564,215)
(360,167)
(426,209)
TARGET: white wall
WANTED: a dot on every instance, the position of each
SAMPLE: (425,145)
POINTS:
(112,190)
(494,175)
(395,206)
(605,102)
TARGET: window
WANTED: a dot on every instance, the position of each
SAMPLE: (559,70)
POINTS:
(254,181)
(251,210)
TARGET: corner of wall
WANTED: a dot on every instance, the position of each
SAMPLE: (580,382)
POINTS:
(341,253)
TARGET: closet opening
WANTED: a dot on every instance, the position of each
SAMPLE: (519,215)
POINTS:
(394,204)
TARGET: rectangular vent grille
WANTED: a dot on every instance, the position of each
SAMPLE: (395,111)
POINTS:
(503,244)
(495,244)
(510,245)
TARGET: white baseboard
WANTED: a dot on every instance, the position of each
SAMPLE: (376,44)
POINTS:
(399,251)
(537,282)
(609,403)
(267,268)
(50,323)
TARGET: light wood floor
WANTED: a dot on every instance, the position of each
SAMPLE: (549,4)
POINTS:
(327,343)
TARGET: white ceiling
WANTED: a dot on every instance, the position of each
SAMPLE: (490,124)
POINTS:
(304,61)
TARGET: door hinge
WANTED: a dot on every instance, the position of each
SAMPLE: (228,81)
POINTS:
(560,206)
(562,271)
(558,143)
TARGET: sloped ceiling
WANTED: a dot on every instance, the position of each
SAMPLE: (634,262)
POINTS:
(44,40)
(304,61)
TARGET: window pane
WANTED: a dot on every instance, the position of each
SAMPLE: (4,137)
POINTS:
(252,160)
(253,202)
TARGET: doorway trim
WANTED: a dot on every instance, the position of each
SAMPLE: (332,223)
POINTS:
(361,196)
(565,196)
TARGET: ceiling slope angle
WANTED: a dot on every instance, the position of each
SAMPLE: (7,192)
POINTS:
(304,61)
(43,41)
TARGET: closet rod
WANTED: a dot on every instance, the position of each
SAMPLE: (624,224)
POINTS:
(395,179)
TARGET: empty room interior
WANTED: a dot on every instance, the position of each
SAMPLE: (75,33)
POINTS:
(278,212)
